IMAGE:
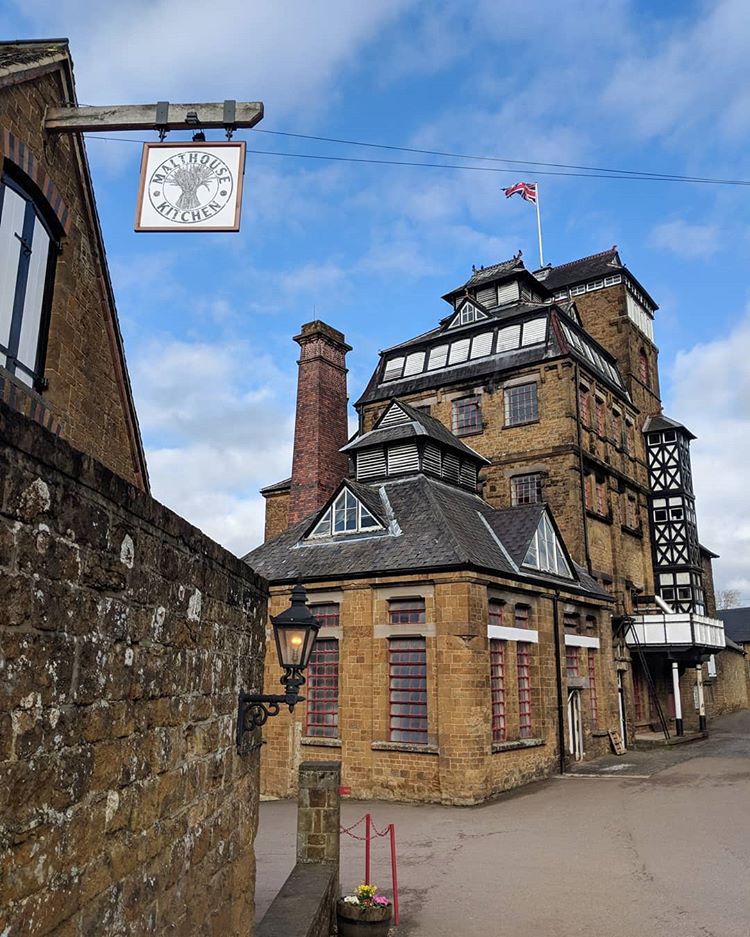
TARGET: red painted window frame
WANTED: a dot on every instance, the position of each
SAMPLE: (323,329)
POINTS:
(523,669)
(322,691)
(407,690)
(584,403)
(593,687)
(572,661)
(406,611)
(497,690)
(496,609)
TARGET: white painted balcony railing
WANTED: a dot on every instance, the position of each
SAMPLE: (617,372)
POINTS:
(679,630)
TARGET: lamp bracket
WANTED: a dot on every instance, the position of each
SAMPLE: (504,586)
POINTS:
(255,709)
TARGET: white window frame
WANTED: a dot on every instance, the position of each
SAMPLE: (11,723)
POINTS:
(326,525)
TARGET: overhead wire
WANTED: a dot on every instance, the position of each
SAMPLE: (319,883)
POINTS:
(557,169)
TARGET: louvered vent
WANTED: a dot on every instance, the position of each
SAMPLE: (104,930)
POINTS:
(469,475)
(393,369)
(431,460)
(459,351)
(508,338)
(450,467)
(414,363)
(481,345)
(488,296)
(402,459)
(507,293)
(438,357)
(394,417)
(371,463)
(534,331)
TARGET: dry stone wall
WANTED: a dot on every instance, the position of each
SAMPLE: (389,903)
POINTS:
(125,634)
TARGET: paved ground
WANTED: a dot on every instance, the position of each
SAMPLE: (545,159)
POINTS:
(659,847)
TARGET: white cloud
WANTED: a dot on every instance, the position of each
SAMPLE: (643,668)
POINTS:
(217,420)
(685,239)
(695,72)
(711,395)
(286,52)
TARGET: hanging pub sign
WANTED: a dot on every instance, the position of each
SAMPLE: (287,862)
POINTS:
(190,187)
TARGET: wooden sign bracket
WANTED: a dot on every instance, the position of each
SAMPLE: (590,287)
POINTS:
(163,117)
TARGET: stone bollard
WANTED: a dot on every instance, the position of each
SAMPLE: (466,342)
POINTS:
(319,812)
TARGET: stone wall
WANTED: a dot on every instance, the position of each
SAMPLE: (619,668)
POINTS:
(125,634)
(459,764)
(550,445)
(730,690)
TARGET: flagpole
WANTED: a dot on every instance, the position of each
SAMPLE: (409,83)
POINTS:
(539,227)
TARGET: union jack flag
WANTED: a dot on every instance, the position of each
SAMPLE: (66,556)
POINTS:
(527,191)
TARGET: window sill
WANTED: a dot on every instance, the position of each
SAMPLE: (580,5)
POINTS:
(524,423)
(633,531)
(516,744)
(404,747)
(604,518)
(324,740)
(468,432)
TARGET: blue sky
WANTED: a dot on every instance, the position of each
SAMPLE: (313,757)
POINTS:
(208,319)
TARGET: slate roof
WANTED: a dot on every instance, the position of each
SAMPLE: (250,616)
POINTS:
(284,485)
(22,54)
(505,268)
(433,526)
(736,623)
(661,422)
(585,268)
(422,424)
(605,264)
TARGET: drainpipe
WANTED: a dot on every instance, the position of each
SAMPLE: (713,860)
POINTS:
(558,678)
(580,466)
(678,726)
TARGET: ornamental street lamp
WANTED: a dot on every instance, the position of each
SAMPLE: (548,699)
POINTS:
(295,631)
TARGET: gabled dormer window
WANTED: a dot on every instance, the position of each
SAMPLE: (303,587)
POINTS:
(467,314)
(545,552)
(27,258)
(347,515)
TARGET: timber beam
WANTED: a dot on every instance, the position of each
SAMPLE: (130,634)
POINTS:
(162,116)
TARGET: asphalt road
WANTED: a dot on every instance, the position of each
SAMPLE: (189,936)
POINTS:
(658,844)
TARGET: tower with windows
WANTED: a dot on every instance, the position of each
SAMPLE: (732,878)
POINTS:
(674,531)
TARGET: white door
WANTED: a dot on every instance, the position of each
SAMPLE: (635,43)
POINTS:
(575,736)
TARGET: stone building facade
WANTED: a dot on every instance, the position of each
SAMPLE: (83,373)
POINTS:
(125,633)
(62,360)
(550,379)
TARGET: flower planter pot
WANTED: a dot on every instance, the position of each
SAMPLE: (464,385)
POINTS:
(354,921)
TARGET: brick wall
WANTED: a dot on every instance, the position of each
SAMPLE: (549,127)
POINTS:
(125,635)
(87,387)
(320,428)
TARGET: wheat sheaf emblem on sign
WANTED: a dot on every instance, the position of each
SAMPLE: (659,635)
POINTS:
(191,186)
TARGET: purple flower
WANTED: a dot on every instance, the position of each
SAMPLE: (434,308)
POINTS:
(381,900)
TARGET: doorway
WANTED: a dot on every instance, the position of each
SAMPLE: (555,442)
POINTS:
(621,708)
(575,735)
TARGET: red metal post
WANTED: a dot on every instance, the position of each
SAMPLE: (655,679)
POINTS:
(368,825)
(394,874)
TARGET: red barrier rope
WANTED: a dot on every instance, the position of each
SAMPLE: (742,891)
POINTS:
(370,831)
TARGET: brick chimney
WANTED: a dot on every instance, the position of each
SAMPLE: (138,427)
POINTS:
(321,422)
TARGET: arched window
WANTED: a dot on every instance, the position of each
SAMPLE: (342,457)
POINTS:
(28,251)
(643,372)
